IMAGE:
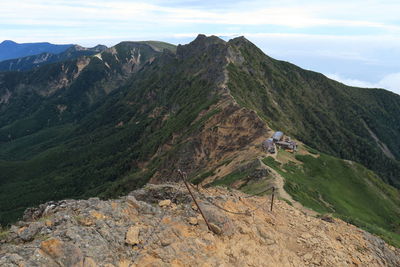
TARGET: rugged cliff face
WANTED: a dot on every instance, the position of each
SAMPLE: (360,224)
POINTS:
(160,226)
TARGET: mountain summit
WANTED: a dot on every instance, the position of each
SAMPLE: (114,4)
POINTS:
(106,124)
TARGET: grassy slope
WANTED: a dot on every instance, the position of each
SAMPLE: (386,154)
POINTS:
(160,45)
(346,189)
(232,177)
(322,113)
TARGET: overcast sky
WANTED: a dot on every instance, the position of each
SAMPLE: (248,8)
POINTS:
(353,41)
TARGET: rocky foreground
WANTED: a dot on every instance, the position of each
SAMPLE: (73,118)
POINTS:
(160,226)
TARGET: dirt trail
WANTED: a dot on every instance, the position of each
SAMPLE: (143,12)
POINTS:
(279,182)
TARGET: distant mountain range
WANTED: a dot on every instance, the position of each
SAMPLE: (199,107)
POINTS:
(10,49)
(30,62)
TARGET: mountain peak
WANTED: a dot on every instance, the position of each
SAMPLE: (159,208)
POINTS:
(99,47)
(239,39)
(8,42)
(204,39)
(200,45)
(76,47)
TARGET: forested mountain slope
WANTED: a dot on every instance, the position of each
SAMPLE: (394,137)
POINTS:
(352,123)
(34,61)
(106,124)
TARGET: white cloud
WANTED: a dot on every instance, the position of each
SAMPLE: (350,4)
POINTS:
(349,81)
(390,82)
(291,14)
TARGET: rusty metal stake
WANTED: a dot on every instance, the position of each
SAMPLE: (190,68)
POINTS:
(182,174)
(272,199)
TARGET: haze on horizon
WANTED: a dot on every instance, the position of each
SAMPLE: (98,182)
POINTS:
(355,42)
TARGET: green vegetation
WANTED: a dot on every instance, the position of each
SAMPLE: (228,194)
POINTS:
(231,178)
(286,200)
(242,173)
(270,161)
(110,129)
(4,232)
(324,114)
(255,187)
(160,45)
(95,147)
(35,61)
(199,178)
(346,189)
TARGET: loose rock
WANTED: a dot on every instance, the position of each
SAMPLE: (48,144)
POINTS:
(109,233)
(193,221)
(28,233)
(164,203)
(132,235)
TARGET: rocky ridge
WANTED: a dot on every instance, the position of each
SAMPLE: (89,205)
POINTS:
(159,226)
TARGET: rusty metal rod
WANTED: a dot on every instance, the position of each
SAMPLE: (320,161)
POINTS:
(272,199)
(182,174)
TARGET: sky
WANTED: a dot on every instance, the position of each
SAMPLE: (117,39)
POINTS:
(356,42)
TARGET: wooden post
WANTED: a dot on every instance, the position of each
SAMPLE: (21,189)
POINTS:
(272,199)
(183,176)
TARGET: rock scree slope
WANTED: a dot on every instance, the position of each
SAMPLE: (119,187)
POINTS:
(159,226)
